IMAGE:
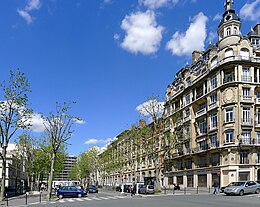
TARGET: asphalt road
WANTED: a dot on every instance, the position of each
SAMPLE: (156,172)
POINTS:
(116,200)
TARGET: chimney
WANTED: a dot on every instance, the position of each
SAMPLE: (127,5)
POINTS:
(195,56)
(142,123)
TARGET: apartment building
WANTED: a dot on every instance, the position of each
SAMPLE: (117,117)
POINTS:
(213,111)
(68,164)
(217,100)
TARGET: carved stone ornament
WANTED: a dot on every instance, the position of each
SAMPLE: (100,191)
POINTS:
(229,95)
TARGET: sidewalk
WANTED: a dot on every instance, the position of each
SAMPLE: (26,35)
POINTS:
(23,200)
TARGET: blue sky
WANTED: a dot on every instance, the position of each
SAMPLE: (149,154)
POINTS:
(107,55)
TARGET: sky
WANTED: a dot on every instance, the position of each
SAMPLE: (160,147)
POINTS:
(107,55)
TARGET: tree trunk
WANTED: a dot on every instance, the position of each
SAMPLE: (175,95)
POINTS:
(51,176)
(2,192)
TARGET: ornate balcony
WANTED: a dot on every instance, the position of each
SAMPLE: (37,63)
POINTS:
(212,106)
(247,122)
(201,112)
(248,99)
(246,78)
(229,78)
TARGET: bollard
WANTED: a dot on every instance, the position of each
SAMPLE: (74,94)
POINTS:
(164,190)
(209,188)
(197,189)
(26,198)
(173,191)
(185,191)
(6,199)
(40,197)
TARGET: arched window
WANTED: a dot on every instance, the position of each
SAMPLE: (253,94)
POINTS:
(228,53)
(228,31)
(214,61)
(235,30)
(244,52)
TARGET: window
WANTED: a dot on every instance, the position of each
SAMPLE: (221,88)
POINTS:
(187,113)
(258,117)
(246,137)
(228,53)
(214,61)
(203,145)
(187,128)
(214,141)
(244,52)
(246,116)
(202,127)
(213,121)
(258,94)
(229,136)
(246,75)
(228,31)
(246,71)
(187,99)
(246,92)
(213,82)
(213,98)
(235,30)
(229,115)
(244,157)
(258,138)
(189,164)
(258,157)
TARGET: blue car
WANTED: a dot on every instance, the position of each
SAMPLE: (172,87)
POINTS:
(70,191)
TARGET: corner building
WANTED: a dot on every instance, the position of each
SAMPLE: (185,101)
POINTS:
(217,102)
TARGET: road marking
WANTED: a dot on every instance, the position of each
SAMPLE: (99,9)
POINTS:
(96,199)
(120,196)
(104,198)
(52,202)
(70,200)
(112,197)
(62,201)
(88,199)
(78,199)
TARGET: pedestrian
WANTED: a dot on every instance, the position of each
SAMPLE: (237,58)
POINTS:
(215,186)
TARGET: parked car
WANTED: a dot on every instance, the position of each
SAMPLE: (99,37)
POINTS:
(147,189)
(240,188)
(70,191)
(223,188)
(80,187)
(92,189)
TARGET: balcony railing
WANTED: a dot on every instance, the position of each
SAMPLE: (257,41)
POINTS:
(214,145)
(247,122)
(257,141)
(246,78)
(179,122)
(229,78)
(200,94)
(246,141)
(247,98)
(244,161)
(201,112)
(257,122)
(213,105)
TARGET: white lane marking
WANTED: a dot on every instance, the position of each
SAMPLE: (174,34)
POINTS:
(62,201)
(104,198)
(88,199)
(70,200)
(120,196)
(78,199)
(98,199)
(112,197)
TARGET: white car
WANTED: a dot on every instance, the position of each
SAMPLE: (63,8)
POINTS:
(243,187)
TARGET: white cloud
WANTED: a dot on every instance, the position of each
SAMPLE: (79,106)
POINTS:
(155,4)
(99,141)
(151,107)
(107,1)
(217,17)
(142,33)
(212,36)
(251,11)
(192,39)
(25,13)
(116,36)
(37,123)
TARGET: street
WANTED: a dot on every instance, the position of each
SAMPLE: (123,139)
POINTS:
(113,199)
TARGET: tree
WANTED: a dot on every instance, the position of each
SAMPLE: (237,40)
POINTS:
(58,129)
(26,152)
(153,110)
(14,114)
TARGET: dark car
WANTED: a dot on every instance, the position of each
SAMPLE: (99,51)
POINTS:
(70,191)
(92,189)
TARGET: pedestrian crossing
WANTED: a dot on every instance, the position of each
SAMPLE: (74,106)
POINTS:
(84,199)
